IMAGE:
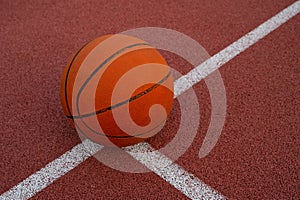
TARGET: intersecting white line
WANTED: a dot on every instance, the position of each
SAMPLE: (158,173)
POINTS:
(215,62)
(51,172)
(185,182)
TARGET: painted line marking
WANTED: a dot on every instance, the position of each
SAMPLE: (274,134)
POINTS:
(51,172)
(185,182)
(172,173)
(234,49)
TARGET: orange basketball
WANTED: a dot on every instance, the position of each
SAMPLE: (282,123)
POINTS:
(117,90)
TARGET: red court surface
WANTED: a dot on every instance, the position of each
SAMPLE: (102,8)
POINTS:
(257,155)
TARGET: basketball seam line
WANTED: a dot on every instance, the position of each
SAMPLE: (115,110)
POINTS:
(68,72)
(100,66)
(97,69)
(67,75)
(111,57)
(122,136)
(122,102)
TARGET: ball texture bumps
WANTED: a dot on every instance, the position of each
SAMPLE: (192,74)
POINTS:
(117,90)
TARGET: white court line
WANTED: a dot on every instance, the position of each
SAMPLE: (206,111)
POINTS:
(185,182)
(191,186)
(219,59)
(51,172)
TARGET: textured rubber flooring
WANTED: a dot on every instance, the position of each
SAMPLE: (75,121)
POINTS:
(257,156)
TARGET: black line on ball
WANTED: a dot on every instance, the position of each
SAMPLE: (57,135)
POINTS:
(127,101)
(94,73)
(123,102)
(114,106)
(67,76)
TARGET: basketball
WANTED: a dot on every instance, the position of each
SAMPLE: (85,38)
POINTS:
(117,90)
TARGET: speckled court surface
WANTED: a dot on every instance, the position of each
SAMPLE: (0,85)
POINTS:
(257,153)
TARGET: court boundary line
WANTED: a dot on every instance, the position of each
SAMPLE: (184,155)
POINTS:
(72,158)
(187,183)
